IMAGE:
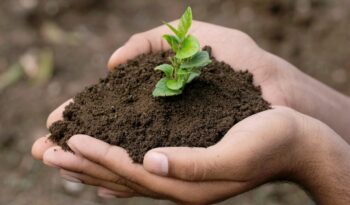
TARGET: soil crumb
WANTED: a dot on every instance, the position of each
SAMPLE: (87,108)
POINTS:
(121,110)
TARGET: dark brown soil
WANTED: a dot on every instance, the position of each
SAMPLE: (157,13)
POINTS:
(120,109)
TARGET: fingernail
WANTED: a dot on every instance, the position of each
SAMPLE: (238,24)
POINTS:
(71,178)
(157,163)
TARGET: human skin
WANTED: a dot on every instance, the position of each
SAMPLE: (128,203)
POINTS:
(281,83)
(276,144)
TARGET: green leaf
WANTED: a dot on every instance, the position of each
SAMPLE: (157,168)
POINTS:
(187,61)
(162,90)
(182,71)
(193,75)
(190,46)
(166,68)
(172,41)
(171,28)
(185,23)
(183,74)
(175,84)
(200,59)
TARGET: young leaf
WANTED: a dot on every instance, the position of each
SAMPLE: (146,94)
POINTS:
(175,84)
(162,90)
(188,60)
(188,75)
(193,75)
(190,46)
(172,41)
(167,69)
(182,71)
(172,28)
(185,23)
(200,59)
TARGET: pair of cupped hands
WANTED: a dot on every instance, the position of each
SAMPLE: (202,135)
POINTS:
(280,143)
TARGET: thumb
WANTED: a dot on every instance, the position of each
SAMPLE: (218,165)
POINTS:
(146,42)
(192,164)
(136,45)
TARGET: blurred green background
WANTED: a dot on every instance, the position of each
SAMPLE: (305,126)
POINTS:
(51,49)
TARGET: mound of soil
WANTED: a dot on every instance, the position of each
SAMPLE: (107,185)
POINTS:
(121,110)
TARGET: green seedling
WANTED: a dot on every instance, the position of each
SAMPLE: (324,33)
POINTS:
(187,62)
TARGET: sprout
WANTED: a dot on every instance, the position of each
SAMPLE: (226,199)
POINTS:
(187,62)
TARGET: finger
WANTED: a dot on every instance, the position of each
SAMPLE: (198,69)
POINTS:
(235,155)
(110,193)
(101,152)
(192,164)
(117,160)
(57,157)
(122,165)
(57,114)
(86,179)
(40,146)
(147,42)
(244,146)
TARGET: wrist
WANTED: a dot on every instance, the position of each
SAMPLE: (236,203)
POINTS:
(324,165)
(311,97)
(324,103)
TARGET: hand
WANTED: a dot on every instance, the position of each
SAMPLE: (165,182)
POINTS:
(229,45)
(281,84)
(245,54)
(274,144)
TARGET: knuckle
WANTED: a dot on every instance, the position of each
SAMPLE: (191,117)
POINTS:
(82,166)
(129,180)
(269,67)
(193,171)
(190,172)
(106,155)
(266,69)
(286,119)
(243,36)
(286,114)
(119,180)
(267,74)
(129,184)
(125,181)
(136,36)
